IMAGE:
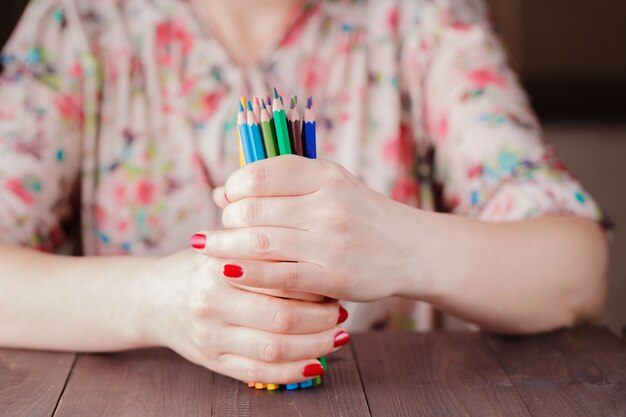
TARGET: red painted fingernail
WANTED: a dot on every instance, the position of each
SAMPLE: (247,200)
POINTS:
(233,271)
(314,369)
(343,315)
(341,339)
(198,241)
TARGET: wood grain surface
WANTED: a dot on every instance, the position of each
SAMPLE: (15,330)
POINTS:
(155,382)
(580,372)
(31,382)
(434,374)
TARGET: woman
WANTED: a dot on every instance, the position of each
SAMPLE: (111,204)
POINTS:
(129,107)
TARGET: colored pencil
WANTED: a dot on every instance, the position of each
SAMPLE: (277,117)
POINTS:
(242,161)
(295,127)
(269,133)
(280,122)
(254,130)
(308,131)
(306,384)
(243,132)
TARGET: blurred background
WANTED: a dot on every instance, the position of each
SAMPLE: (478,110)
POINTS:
(571,56)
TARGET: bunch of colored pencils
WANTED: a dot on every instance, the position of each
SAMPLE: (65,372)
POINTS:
(267,129)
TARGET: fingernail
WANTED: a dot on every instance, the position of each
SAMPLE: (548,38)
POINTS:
(341,338)
(233,271)
(343,315)
(314,369)
(198,241)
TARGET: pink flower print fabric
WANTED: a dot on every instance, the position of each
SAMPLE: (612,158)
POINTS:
(120,115)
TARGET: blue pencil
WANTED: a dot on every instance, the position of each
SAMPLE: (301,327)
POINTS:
(244,133)
(256,139)
(308,131)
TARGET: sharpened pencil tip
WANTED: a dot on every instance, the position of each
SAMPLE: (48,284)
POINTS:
(275,93)
(263,104)
(240,107)
(309,103)
(250,106)
(256,101)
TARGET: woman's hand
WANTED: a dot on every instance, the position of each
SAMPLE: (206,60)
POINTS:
(309,225)
(242,334)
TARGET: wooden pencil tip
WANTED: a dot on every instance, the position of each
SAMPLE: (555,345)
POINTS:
(256,101)
(240,107)
(275,93)
(249,105)
(309,103)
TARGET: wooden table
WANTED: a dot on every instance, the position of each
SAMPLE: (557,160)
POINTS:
(580,372)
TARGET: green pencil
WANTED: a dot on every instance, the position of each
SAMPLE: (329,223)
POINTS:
(280,121)
(267,128)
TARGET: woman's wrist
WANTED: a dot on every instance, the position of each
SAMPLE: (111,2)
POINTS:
(428,239)
(145,305)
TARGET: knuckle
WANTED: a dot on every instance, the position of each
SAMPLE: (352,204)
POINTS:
(259,242)
(200,306)
(283,320)
(284,374)
(272,350)
(251,372)
(338,218)
(292,278)
(201,263)
(257,178)
(337,176)
(201,336)
(251,211)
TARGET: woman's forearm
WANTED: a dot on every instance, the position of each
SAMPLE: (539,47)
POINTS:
(520,277)
(70,303)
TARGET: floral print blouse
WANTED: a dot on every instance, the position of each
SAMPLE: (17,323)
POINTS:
(121,113)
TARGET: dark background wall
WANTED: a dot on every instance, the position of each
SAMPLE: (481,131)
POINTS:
(10,12)
(571,55)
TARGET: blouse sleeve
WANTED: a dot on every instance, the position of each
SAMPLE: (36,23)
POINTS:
(489,155)
(41,120)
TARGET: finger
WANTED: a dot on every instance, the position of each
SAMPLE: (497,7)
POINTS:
(286,175)
(219,197)
(292,295)
(246,369)
(289,212)
(280,348)
(268,243)
(277,315)
(289,276)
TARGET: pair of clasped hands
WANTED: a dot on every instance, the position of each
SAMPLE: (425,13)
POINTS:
(257,301)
